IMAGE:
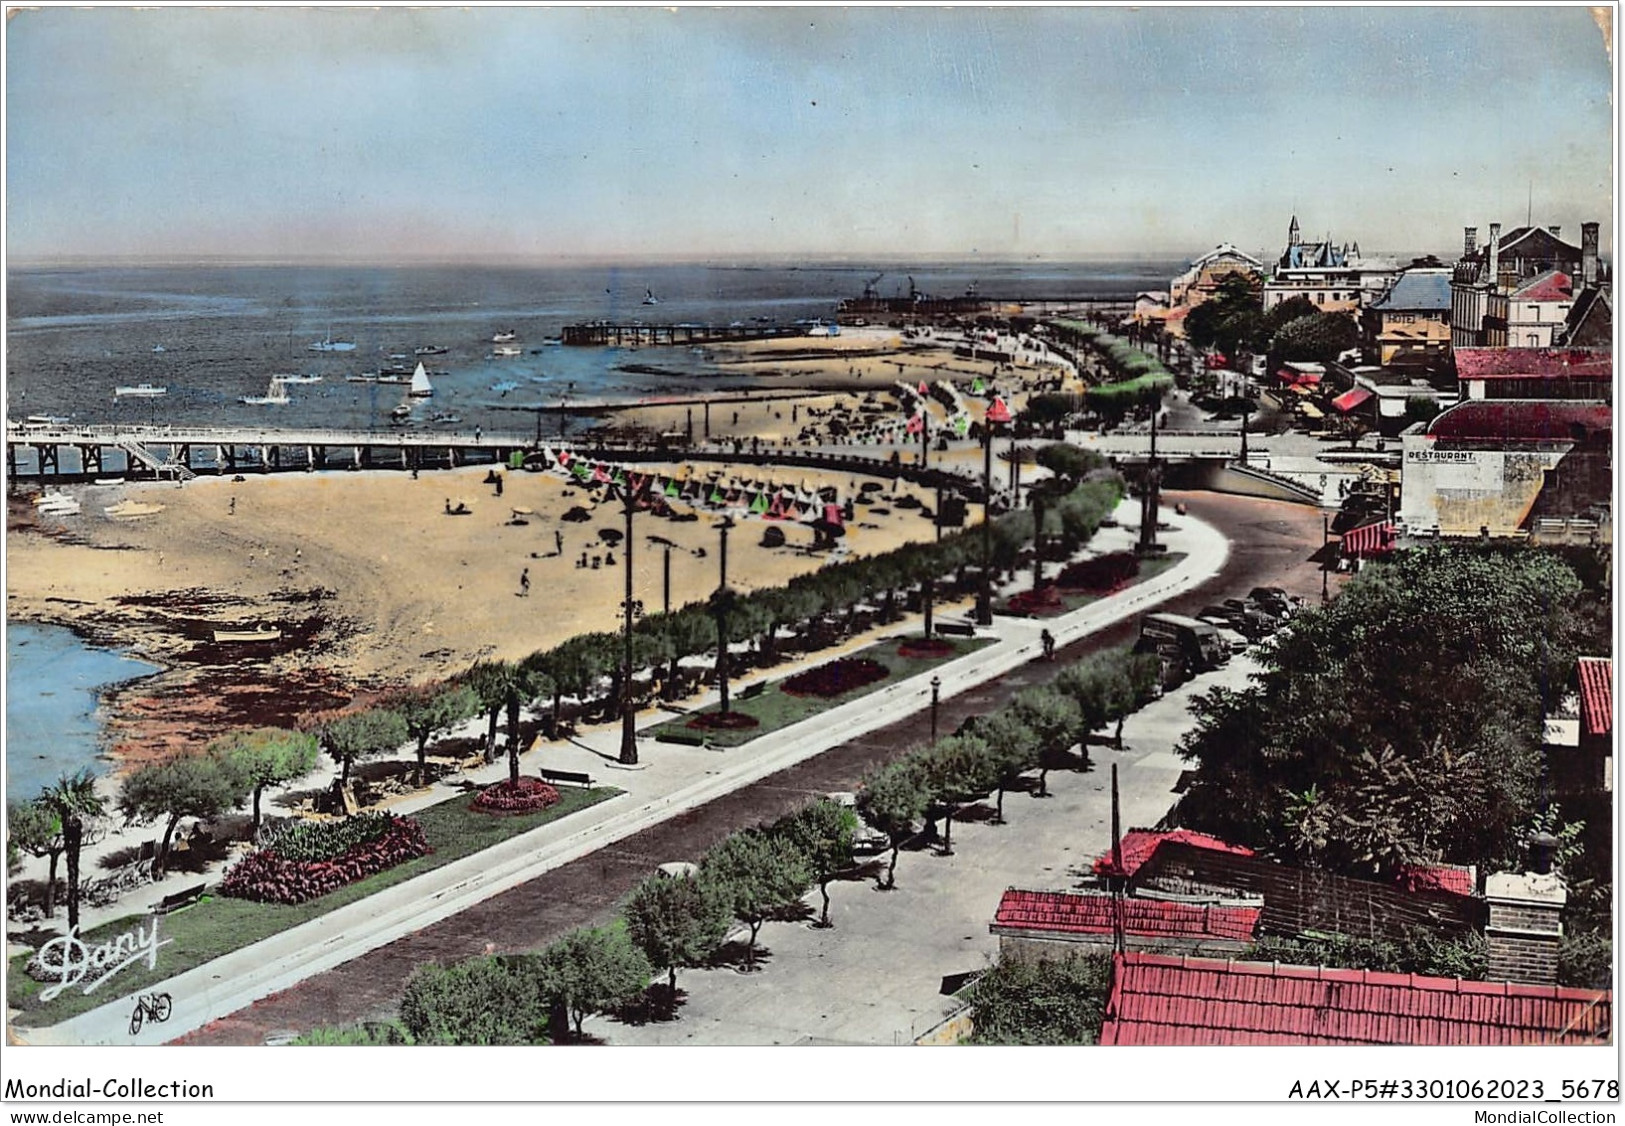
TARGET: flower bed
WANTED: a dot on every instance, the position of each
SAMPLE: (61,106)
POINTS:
(312,868)
(1044,600)
(528,796)
(720,721)
(1105,573)
(836,677)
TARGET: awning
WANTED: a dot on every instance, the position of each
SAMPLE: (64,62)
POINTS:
(1369,541)
(1348,400)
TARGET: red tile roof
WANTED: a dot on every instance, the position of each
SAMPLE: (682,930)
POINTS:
(1534,363)
(1597,695)
(1522,420)
(1553,285)
(1436,877)
(1139,844)
(1091,913)
(1159,999)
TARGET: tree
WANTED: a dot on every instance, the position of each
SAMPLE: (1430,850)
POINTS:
(1232,320)
(592,970)
(267,756)
(1049,1002)
(1014,747)
(1317,338)
(360,735)
(677,923)
(1429,749)
(893,799)
(754,875)
(1056,722)
(822,831)
(1069,463)
(491,682)
(480,1001)
(428,712)
(957,769)
(73,800)
(35,828)
(185,786)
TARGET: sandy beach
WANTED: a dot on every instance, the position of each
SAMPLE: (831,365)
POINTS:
(374,586)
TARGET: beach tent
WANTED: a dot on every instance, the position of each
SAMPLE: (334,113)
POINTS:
(672,490)
(961,425)
(759,505)
(916,423)
(924,390)
(977,387)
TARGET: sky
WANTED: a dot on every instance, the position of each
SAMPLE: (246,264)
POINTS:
(481,133)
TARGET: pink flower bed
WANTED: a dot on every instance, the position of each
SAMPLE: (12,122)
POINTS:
(836,677)
(503,797)
(265,877)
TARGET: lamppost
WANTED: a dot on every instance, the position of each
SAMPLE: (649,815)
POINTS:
(997,415)
(720,607)
(665,582)
(1325,558)
(629,732)
(936,693)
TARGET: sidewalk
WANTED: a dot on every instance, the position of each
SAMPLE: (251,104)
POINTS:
(671,780)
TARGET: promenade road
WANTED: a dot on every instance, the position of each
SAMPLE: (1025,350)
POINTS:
(352,964)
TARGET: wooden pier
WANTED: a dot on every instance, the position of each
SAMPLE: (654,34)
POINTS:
(612,334)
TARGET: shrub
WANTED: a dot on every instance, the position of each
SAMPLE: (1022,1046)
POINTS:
(266,876)
(480,1001)
(306,841)
(528,796)
(836,677)
(1045,600)
(1103,573)
(1052,1002)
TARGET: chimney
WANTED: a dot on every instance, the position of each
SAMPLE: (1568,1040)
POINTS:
(1469,242)
(1588,255)
(1525,925)
(1495,253)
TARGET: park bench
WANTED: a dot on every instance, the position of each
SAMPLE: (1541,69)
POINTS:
(957,629)
(574,777)
(180,899)
(752,691)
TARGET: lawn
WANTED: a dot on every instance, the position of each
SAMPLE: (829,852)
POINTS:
(218,925)
(1150,567)
(775,709)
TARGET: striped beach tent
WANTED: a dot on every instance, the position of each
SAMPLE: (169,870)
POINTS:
(672,490)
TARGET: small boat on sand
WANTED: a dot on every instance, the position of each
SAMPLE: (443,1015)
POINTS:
(132,510)
(258,633)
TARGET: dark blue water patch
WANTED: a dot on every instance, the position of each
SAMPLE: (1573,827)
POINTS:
(53,686)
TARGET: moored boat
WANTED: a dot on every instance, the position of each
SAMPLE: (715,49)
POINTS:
(139,391)
(507,350)
(429,350)
(505,336)
(331,345)
(420,383)
(275,396)
(258,633)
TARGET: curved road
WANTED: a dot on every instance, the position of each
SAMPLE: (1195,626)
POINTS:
(1271,545)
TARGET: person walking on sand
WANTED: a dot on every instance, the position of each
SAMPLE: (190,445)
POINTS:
(558,542)
(524,583)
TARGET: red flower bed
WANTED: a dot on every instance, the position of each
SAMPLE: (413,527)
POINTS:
(1044,600)
(719,721)
(927,647)
(265,877)
(1104,573)
(836,677)
(504,797)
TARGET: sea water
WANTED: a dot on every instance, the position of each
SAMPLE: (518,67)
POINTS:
(53,686)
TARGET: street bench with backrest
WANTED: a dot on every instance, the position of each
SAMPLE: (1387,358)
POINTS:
(750,692)
(575,777)
(958,629)
(180,899)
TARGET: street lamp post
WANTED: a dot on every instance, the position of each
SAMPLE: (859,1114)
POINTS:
(665,582)
(722,616)
(936,695)
(997,415)
(1325,558)
(629,732)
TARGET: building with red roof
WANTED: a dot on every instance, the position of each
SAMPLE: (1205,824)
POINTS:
(1579,731)
(1162,999)
(1139,845)
(1585,374)
(1033,925)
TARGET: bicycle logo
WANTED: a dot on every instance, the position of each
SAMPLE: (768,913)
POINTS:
(151,1006)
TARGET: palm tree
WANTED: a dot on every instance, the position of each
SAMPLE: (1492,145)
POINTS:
(74,800)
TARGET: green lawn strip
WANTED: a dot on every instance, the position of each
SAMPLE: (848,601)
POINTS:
(775,709)
(219,925)
(1150,567)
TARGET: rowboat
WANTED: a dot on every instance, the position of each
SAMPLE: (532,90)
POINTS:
(259,633)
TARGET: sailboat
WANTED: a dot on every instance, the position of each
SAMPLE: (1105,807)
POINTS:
(275,396)
(649,297)
(420,383)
